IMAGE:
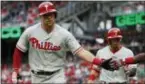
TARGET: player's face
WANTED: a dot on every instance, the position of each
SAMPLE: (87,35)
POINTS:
(115,42)
(48,19)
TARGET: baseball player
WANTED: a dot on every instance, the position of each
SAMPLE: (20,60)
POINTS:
(114,50)
(116,63)
(47,43)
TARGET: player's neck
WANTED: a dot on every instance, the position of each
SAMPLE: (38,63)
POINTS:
(47,28)
(115,49)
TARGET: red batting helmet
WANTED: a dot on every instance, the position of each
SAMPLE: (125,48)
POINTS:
(46,7)
(114,33)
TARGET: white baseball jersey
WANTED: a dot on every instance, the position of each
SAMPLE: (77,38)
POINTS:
(117,75)
(47,51)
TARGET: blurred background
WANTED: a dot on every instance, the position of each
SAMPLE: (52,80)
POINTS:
(88,21)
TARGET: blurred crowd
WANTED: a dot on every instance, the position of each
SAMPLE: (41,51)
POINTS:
(6,74)
(22,13)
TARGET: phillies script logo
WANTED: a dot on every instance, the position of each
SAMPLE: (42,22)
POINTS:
(43,45)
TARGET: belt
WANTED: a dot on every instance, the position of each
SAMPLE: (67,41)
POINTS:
(43,72)
(117,83)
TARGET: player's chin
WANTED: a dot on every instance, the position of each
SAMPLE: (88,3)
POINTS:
(114,45)
(49,24)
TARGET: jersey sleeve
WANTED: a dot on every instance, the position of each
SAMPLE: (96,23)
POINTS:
(22,43)
(72,44)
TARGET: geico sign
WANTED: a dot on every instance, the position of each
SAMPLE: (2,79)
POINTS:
(131,19)
(13,32)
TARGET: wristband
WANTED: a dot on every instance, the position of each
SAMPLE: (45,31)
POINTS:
(129,60)
(95,69)
(92,77)
(97,61)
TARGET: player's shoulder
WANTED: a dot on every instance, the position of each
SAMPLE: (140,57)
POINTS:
(104,49)
(127,49)
(33,27)
(62,30)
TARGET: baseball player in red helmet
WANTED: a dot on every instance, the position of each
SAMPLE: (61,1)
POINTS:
(114,50)
(47,44)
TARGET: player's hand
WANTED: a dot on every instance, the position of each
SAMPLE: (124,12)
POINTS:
(131,72)
(105,64)
(15,77)
(116,63)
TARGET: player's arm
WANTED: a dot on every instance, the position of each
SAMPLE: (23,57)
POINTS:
(130,69)
(88,56)
(94,74)
(21,47)
(17,58)
(95,70)
(139,58)
(76,49)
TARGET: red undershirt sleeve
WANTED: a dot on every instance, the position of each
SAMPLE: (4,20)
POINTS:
(17,58)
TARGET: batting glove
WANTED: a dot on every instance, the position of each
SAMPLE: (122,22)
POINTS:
(131,72)
(116,63)
(105,64)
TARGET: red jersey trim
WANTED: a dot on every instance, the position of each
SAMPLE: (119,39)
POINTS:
(76,51)
(20,48)
(17,57)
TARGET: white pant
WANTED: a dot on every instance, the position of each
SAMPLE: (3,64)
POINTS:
(57,77)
